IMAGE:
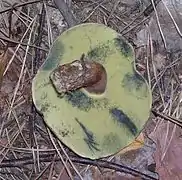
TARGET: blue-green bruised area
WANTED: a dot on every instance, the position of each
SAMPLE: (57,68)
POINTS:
(80,100)
(123,46)
(88,137)
(100,52)
(54,57)
(123,120)
(135,85)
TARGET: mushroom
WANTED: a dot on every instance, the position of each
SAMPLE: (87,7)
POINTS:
(93,121)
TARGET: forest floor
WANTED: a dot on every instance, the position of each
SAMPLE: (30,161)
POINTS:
(28,150)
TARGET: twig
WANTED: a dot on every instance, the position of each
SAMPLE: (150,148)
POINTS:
(63,160)
(99,163)
(168,118)
(68,158)
(49,29)
(158,24)
(146,13)
(22,70)
(43,171)
(99,4)
(173,20)
(150,8)
(20,5)
(107,12)
(15,135)
(38,41)
(151,49)
(113,10)
(66,12)
(135,26)
(20,43)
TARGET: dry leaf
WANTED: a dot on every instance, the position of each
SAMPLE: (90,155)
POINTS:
(170,166)
(137,144)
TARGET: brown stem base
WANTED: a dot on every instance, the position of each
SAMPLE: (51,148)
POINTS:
(89,75)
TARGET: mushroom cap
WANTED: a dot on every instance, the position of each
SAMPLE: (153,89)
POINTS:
(94,126)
